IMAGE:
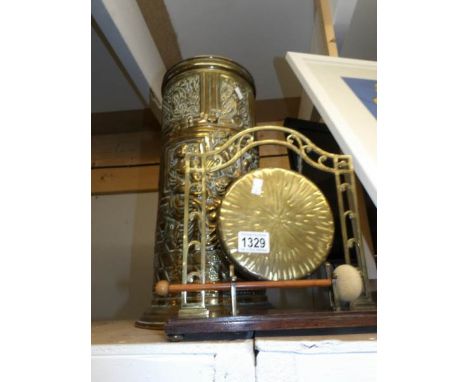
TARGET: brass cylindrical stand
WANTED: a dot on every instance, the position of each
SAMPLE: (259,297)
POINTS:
(205,99)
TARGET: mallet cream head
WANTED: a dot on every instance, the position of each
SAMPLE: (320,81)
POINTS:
(162,288)
(349,284)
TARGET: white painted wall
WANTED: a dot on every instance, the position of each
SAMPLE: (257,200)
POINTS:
(254,33)
(360,41)
(342,14)
(110,90)
(257,34)
(122,245)
(123,25)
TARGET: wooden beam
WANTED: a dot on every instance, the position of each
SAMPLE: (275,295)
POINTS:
(162,31)
(129,162)
(306,107)
(124,179)
(126,149)
(323,42)
(271,150)
(125,121)
(275,162)
(117,180)
(276,109)
(324,9)
(127,138)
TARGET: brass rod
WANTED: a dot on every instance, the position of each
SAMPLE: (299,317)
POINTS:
(186,223)
(341,209)
(203,222)
(250,285)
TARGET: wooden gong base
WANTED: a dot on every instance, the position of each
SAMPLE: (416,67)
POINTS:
(246,325)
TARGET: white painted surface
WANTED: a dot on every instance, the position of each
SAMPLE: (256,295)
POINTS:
(122,247)
(122,353)
(124,26)
(360,39)
(257,34)
(342,15)
(352,125)
(350,357)
(110,90)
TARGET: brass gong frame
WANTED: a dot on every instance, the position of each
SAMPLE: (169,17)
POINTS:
(199,166)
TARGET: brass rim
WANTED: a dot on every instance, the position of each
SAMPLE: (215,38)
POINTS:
(208,62)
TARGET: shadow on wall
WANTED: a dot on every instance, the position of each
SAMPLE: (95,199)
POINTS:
(123,228)
(142,252)
(290,86)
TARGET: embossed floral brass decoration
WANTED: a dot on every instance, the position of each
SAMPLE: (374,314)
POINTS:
(206,100)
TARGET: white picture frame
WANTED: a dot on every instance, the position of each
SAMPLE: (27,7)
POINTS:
(352,125)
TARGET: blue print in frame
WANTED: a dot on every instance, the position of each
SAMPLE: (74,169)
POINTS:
(366,91)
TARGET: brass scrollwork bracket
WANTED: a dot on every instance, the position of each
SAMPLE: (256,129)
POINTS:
(231,152)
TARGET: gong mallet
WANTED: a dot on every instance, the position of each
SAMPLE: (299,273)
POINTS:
(348,285)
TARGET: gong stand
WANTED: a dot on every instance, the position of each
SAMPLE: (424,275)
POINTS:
(194,317)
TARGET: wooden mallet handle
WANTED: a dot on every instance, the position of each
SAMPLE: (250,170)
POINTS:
(163,288)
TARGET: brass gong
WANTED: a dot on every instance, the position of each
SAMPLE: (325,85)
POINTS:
(288,219)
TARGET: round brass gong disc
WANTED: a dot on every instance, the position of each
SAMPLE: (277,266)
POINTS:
(291,209)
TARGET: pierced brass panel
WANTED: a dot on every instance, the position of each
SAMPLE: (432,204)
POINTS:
(206,100)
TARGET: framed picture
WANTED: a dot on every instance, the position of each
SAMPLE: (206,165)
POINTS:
(344,91)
